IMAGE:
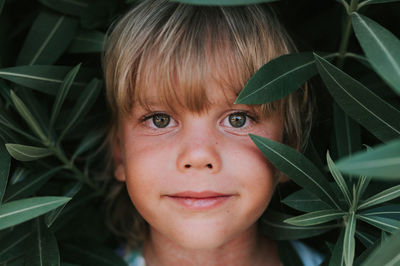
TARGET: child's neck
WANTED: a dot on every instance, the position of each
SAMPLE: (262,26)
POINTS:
(250,248)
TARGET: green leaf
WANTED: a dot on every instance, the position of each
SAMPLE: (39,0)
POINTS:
(381,197)
(338,179)
(47,39)
(6,122)
(365,107)
(83,104)
(88,142)
(5,161)
(62,93)
(88,42)
(13,244)
(391,211)
(362,185)
(304,201)
(51,216)
(223,2)
(383,161)
(347,132)
(349,241)
(278,78)
(387,253)
(27,116)
(2,2)
(19,174)
(337,253)
(366,239)
(272,224)
(386,224)
(371,2)
(15,212)
(27,153)
(297,168)
(317,217)
(381,47)
(43,248)
(74,7)
(91,255)
(29,186)
(46,79)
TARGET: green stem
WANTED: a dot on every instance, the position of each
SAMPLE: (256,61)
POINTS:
(71,166)
(346,34)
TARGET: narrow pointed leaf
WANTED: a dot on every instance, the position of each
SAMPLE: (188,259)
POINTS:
(314,218)
(6,122)
(27,153)
(273,225)
(362,185)
(349,241)
(381,197)
(13,244)
(347,133)
(47,39)
(223,2)
(278,78)
(15,212)
(46,79)
(88,142)
(338,178)
(43,246)
(304,201)
(383,161)
(371,2)
(386,224)
(27,116)
(63,92)
(51,216)
(337,253)
(366,239)
(364,106)
(83,104)
(391,211)
(297,168)
(5,161)
(29,186)
(381,47)
(387,254)
(2,2)
(74,8)
(88,42)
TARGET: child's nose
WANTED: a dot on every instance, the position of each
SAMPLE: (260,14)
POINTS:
(199,153)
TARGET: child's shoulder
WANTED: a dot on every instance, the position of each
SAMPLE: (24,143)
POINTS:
(307,255)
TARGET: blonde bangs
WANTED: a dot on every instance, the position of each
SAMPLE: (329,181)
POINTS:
(181,56)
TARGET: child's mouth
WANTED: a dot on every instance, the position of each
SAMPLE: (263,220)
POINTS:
(204,200)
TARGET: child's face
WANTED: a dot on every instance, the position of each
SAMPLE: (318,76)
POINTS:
(197,179)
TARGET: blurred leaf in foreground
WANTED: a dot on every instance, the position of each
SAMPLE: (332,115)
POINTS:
(381,162)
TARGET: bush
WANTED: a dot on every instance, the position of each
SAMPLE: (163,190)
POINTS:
(52,125)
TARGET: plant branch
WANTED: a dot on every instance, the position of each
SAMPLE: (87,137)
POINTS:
(346,34)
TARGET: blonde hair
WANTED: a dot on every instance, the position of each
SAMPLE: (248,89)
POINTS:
(179,48)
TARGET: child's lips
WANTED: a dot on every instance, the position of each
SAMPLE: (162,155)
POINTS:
(204,200)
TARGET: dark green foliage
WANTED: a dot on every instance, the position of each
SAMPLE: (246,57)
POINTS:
(52,123)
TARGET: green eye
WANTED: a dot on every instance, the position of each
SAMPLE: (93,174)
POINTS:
(237,119)
(161,120)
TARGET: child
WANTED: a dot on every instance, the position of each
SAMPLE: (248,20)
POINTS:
(181,150)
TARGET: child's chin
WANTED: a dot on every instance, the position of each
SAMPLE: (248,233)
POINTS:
(201,239)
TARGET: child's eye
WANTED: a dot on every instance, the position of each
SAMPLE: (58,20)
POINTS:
(238,120)
(158,120)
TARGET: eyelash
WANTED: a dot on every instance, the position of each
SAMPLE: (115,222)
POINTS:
(247,114)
